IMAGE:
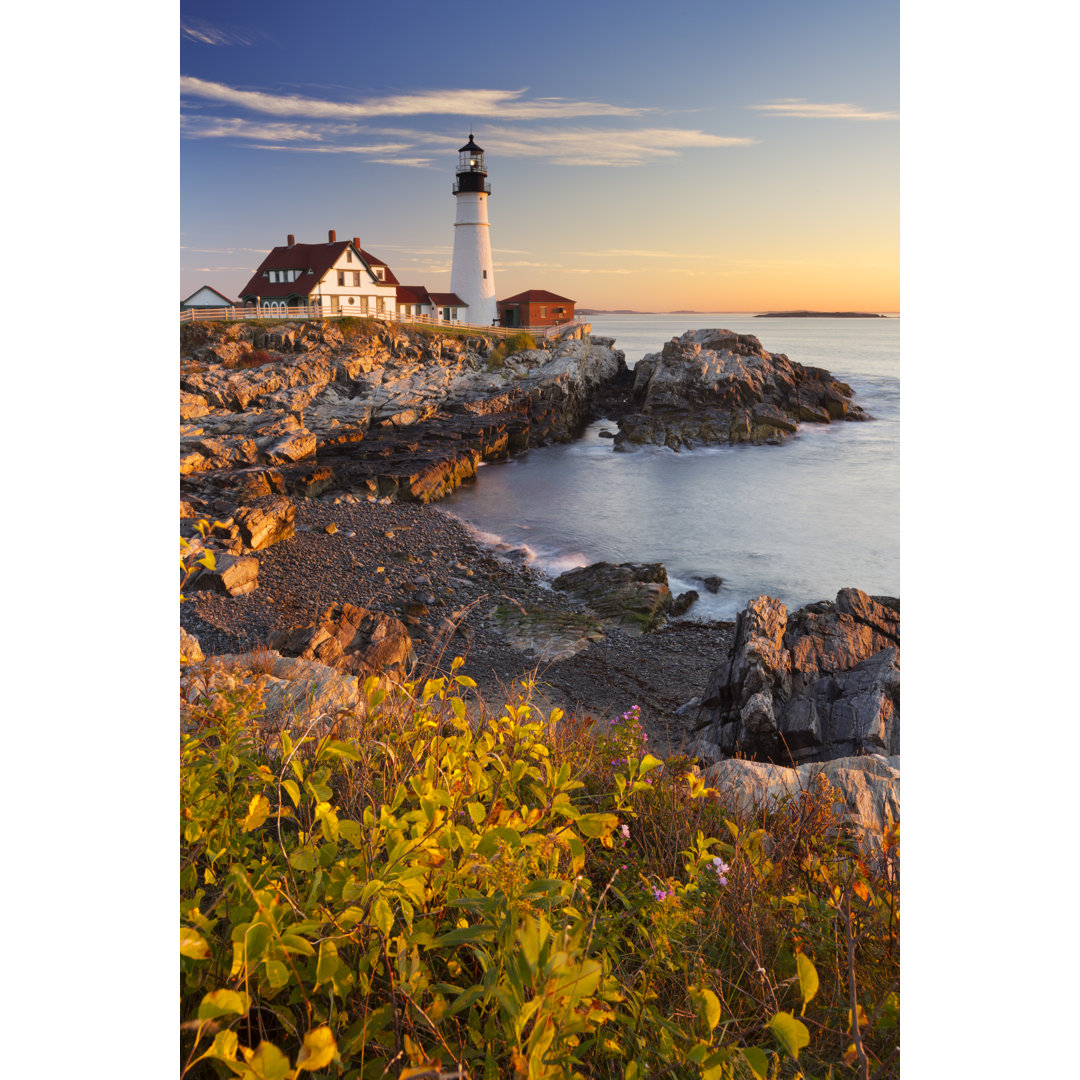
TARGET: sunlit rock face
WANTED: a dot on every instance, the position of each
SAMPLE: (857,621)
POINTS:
(716,386)
(822,683)
(382,412)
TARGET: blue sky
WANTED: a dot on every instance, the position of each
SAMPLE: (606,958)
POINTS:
(701,155)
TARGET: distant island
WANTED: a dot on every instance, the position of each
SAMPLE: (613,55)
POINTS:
(819,315)
(615,311)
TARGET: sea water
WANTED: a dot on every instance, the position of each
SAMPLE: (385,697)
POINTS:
(797,521)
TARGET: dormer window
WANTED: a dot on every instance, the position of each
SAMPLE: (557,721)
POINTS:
(380,272)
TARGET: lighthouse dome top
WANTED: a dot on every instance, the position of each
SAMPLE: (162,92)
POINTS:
(471,147)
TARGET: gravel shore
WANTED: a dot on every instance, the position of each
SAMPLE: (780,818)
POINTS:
(425,567)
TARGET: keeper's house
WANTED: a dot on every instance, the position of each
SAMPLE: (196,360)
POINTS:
(535,307)
(206,297)
(415,300)
(335,278)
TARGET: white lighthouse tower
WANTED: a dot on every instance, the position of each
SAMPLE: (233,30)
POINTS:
(472,277)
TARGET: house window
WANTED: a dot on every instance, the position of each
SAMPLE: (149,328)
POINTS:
(351,300)
(363,305)
(348,254)
(380,272)
(356,277)
(341,277)
(485,275)
(543,313)
(380,304)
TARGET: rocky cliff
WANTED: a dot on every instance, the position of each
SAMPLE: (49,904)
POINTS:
(369,409)
(716,386)
(822,683)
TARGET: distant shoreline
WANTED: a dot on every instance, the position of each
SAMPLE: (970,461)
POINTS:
(820,315)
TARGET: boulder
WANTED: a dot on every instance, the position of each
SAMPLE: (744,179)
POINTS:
(683,602)
(869,789)
(632,596)
(190,650)
(352,640)
(823,683)
(715,386)
(233,575)
(270,523)
(291,693)
(546,634)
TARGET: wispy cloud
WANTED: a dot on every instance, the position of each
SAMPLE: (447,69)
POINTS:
(685,271)
(325,127)
(633,253)
(599,146)
(510,104)
(374,148)
(215,127)
(407,162)
(205,33)
(803,109)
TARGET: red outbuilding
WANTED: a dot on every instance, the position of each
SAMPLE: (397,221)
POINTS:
(536,307)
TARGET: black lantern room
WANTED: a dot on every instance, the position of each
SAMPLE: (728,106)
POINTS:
(471,175)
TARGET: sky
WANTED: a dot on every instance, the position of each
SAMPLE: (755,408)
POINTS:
(703,155)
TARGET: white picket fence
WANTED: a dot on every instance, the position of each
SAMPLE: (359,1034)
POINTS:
(302,312)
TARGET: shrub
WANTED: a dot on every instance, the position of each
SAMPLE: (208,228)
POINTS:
(524,897)
(353,328)
(519,342)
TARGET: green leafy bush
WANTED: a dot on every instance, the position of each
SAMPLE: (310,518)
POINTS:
(437,886)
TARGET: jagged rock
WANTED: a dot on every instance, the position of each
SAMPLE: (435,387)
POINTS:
(633,596)
(822,684)
(190,650)
(192,406)
(869,787)
(350,639)
(262,526)
(683,602)
(712,584)
(232,575)
(292,693)
(715,386)
(388,412)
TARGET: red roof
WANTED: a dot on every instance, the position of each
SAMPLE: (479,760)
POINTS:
(537,296)
(412,294)
(316,258)
(417,294)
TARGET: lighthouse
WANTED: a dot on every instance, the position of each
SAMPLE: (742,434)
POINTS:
(472,277)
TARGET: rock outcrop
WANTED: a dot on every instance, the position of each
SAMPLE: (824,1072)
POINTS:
(379,412)
(633,596)
(283,692)
(823,683)
(869,789)
(352,640)
(716,386)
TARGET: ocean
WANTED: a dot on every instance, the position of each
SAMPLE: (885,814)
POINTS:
(797,522)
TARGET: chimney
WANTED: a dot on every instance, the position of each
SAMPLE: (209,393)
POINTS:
(356,242)
(333,237)
(292,239)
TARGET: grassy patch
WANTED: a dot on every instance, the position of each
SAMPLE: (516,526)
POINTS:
(434,882)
